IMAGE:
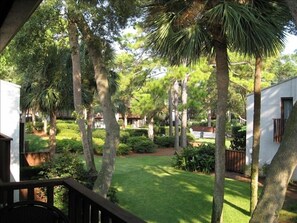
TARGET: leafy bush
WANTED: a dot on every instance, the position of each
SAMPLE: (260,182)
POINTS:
(69,134)
(123,149)
(38,126)
(62,166)
(164,141)
(160,130)
(67,124)
(28,127)
(124,135)
(99,133)
(201,158)
(98,144)
(35,143)
(137,132)
(141,144)
(71,145)
(239,138)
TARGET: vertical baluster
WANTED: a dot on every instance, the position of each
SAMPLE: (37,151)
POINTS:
(94,214)
(10,196)
(31,194)
(50,195)
(71,206)
(86,211)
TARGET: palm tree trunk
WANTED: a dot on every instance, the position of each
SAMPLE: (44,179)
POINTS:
(184,113)
(170,112)
(77,94)
(176,118)
(52,133)
(222,79)
(256,134)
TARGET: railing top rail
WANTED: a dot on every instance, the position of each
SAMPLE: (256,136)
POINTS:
(31,183)
(4,137)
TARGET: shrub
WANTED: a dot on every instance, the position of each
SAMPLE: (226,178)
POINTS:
(98,144)
(69,133)
(99,133)
(28,127)
(137,132)
(38,126)
(123,149)
(71,145)
(201,158)
(160,130)
(141,144)
(239,138)
(124,135)
(62,166)
(164,141)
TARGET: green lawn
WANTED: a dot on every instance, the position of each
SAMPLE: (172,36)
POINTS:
(153,190)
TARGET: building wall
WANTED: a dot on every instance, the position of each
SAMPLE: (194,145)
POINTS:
(270,109)
(9,122)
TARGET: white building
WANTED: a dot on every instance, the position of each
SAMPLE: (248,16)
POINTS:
(276,104)
(10,123)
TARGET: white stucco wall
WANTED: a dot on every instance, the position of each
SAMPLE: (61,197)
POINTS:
(270,109)
(9,122)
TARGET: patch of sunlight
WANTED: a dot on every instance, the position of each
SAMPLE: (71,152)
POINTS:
(161,171)
(190,187)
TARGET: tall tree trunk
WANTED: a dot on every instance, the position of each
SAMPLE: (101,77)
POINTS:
(256,134)
(125,121)
(77,94)
(279,174)
(292,4)
(170,111)
(45,124)
(151,129)
(222,79)
(184,112)
(282,165)
(52,133)
(176,118)
(94,45)
(90,121)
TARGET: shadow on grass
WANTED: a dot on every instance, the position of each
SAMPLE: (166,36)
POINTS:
(243,211)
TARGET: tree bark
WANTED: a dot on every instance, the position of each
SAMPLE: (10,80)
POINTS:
(170,112)
(176,118)
(222,79)
(151,129)
(90,121)
(292,4)
(52,133)
(77,93)
(184,113)
(94,46)
(279,174)
(256,135)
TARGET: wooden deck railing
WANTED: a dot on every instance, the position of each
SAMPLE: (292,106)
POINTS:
(278,129)
(84,206)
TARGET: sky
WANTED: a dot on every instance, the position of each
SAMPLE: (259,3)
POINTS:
(291,44)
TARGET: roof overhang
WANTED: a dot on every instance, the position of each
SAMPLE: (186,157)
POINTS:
(13,15)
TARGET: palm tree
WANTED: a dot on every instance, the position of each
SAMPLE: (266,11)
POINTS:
(182,31)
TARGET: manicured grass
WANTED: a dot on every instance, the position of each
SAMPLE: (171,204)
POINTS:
(150,188)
